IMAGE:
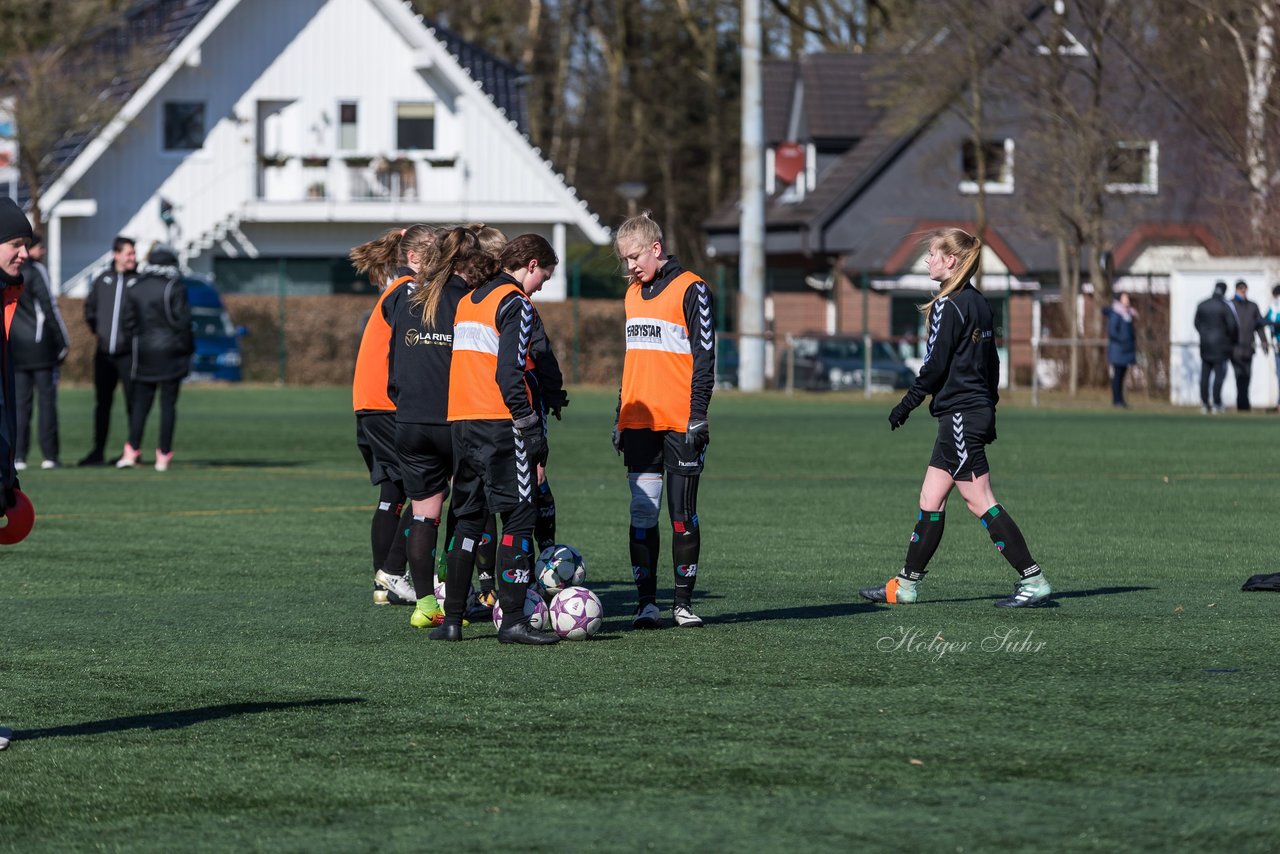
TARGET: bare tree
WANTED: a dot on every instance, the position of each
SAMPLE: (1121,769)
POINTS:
(62,68)
(1232,84)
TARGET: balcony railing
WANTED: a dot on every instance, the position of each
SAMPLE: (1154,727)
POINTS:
(353,178)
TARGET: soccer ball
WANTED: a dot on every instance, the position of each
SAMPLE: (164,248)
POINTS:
(576,613)
(559,567)
(535,610)
(472,598)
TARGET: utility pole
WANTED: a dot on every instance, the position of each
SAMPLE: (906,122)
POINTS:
(751,226)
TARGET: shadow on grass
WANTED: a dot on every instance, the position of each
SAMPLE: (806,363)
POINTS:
(803,612)
(175,720)
(1053,600)
(243,464)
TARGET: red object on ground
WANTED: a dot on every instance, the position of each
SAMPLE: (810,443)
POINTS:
(18,520)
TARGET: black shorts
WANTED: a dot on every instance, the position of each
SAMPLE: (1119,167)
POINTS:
(376,439)
(961,449)
(426,458)
(653,450)
(489,474)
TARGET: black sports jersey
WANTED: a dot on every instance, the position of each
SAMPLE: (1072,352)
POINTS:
(418,370)
(961,366)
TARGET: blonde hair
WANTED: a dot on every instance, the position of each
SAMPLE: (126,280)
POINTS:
(638,229)
(968,251)
(492,240)
(380,258)
(456,252)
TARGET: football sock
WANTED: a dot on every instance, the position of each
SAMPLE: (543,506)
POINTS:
(644,563)
(397,556)
(514,566)
(382,531)
(1008,539)
(460,562)
(545,530)
(421,550)
(686,543)
(487,554)
(924,542)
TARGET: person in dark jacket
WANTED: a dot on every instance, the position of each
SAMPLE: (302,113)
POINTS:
(15,236)
(158,320)
(1249,323)
(962,371)
(40,343)
(113,357)
(1122,348)
(1218,329)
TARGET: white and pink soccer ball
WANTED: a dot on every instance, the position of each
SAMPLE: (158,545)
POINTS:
(535,611)
(558,567)
(576,613)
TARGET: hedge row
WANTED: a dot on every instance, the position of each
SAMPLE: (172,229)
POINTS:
(321,334)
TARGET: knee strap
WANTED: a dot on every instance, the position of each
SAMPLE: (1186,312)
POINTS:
(646,498)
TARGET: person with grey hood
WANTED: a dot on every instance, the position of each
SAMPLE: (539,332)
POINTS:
(1218,329)
(113,357)
(39,342)
(158,321)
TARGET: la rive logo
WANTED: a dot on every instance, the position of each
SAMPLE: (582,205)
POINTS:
(414,337)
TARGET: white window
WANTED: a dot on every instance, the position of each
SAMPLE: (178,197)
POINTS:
(348,126)
(1134,167)
(998,166)
(183,125)
(415,127)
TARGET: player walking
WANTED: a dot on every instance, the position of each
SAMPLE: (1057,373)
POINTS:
(497,438)
(668,375)
(962,371)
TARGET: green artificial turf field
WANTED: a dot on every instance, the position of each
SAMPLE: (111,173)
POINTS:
(191,660)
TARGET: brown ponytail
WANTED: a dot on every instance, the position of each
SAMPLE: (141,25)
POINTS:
(381,257)
(456,253)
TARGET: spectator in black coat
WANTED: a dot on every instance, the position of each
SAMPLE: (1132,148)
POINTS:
(1218,329)
(1122,350)
(104,310)
(1250,322)
(39,343)
(159,324)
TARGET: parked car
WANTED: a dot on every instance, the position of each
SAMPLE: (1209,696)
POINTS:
(834,362)
(217,355)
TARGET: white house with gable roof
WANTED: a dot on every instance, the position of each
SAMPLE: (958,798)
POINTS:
(273,136)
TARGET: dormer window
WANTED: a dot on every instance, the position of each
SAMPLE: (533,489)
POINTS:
(1133,167)
(183,125)
(997,165)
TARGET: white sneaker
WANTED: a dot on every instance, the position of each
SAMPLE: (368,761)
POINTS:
(5,735)
(163,460)
(129,457)
(51,464)
(685,618)
(19,465)
(647,617)
(399,588)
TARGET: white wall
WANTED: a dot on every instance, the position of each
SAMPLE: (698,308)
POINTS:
(1191,285)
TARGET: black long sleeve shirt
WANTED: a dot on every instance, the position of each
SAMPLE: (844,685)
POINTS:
(961,366)
(420,353)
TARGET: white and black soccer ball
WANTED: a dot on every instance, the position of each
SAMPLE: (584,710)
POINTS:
(535,611)
(576,613)
(558,567)
(472,598)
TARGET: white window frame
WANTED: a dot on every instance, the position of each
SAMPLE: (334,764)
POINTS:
(1001,186)
(1149,187)
(339,147)
(435,126)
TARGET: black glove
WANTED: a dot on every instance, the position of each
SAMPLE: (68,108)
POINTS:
(555,401)
(529,433)
(899,416)
(617,439)
(9,496)
(698,434)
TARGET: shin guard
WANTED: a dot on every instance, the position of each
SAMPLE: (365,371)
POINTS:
(1006,535)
